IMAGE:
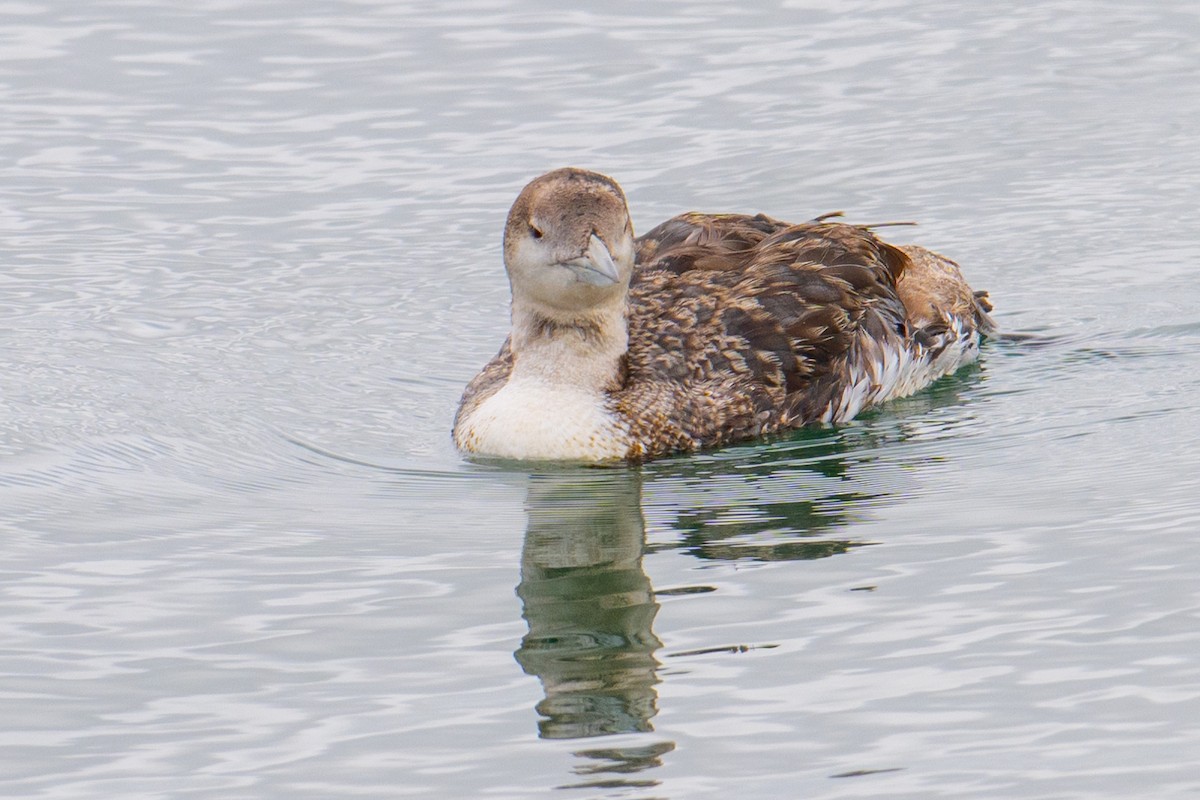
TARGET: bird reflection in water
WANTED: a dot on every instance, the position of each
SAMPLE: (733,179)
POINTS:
(587,599)
(589,604)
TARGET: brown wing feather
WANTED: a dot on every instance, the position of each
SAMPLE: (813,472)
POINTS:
(759,332)
(704,241)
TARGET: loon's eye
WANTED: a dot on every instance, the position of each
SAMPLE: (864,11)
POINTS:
(535,231)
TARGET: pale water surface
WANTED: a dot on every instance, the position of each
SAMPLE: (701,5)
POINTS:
(249,256)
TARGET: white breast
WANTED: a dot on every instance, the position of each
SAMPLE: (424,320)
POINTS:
(531,419)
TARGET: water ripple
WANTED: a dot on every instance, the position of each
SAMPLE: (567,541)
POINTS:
(251,255)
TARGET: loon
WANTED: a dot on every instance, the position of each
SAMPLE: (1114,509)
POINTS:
(709,329)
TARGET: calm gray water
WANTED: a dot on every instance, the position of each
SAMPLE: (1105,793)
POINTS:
(249,254)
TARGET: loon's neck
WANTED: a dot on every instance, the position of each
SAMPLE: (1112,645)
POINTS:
(554,405)
(584,350)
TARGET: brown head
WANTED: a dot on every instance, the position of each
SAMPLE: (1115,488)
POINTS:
(568,244)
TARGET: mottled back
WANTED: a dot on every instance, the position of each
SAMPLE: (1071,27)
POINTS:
(741,326)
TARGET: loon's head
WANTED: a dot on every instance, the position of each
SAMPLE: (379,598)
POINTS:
(568,244)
